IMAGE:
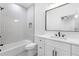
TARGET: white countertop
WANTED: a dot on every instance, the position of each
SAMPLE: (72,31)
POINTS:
(66,40)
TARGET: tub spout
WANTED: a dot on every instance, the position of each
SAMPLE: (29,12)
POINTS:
(1,44)
(0,50)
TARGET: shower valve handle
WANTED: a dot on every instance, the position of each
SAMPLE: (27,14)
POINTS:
(0,36)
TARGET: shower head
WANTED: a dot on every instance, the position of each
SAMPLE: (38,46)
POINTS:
(1,8)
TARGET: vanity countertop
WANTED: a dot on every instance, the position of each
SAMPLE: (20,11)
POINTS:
(66,40)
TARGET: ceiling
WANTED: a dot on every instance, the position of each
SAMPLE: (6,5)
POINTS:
(25,5)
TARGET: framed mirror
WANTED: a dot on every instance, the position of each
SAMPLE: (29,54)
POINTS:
(63,18)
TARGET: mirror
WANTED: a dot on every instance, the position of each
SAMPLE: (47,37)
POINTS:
(63,18)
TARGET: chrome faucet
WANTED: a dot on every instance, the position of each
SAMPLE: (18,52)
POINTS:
(0,50)
(59,34)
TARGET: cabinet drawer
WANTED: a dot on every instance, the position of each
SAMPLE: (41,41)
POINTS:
(57,44)
(40,50)
(59,51)
(62,52)
(75,49)
(49,50)
(39,40)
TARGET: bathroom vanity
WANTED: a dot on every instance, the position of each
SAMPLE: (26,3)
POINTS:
(53,46)
(64,18)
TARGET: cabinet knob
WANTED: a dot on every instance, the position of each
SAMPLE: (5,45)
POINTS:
(0,36)
(55,53)
(0,50)
(40,47)
(40,40)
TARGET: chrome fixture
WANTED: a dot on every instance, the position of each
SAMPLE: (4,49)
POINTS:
(1,44)
(1,8)
(59,34)
(0,50)
(71,16)
(54,52)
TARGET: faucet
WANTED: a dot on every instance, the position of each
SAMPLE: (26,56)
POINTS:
(59,34)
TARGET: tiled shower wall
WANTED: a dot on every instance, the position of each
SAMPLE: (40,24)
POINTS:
(14,23)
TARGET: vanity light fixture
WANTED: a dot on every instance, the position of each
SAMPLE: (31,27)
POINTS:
(69,17)
(76,16)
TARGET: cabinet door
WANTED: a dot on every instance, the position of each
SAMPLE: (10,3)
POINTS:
(62,52)
(75,54)
(1,28)
(40,50)
(61,49)
(49,50)
(75,50)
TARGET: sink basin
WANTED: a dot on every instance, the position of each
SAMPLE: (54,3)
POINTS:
(52,36)
(58,37)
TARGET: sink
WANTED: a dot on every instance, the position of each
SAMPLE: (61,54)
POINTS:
(52,36)
(58,37)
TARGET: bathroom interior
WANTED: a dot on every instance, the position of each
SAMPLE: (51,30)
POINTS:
(39,29)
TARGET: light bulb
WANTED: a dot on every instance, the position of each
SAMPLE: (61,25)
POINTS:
(76,16)
(16,20)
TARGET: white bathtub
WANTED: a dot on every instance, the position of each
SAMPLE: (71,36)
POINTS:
(14,48)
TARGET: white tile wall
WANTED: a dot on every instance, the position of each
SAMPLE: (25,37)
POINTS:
(14,26)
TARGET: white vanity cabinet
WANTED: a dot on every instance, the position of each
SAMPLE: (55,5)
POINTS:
(53,48)
(53,51)
(75,50)
(49,50)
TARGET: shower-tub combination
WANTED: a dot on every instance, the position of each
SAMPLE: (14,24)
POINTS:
(16,37)
(19,49)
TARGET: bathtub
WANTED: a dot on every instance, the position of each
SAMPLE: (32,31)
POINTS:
(14,48)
